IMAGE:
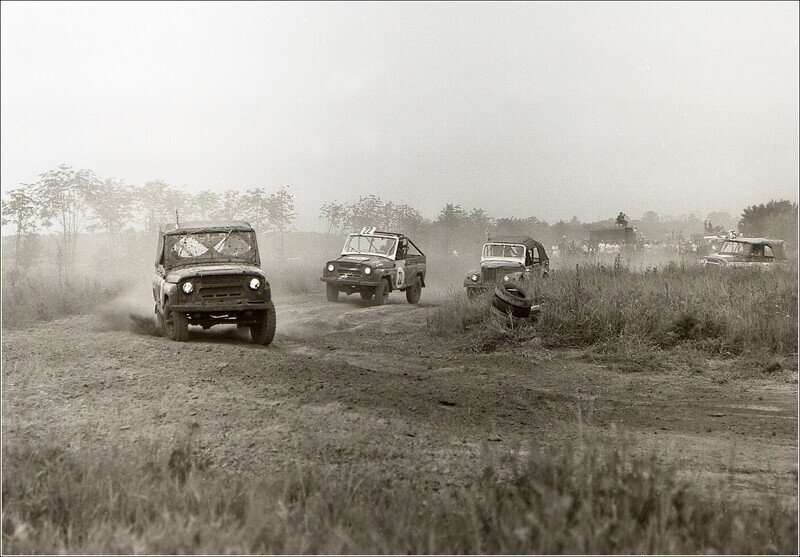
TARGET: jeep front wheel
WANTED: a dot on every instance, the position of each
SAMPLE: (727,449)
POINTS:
(382,292)
(176,324)
(413,292)
(332,293)
(264,332)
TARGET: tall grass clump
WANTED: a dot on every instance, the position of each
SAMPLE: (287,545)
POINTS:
(593,497)
(721,312)
(458,313)
(32,297)
(724,312)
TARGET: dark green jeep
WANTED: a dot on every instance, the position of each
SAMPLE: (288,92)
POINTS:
(507,259)
(374,263)
(208,273)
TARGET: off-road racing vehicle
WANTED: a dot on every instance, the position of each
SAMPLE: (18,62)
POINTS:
(208,273)
(762,253)
(374,263)
(507,259)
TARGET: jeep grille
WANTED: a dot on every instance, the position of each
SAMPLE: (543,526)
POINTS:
(215,292)
(221,287)
(488,275)
(349,270)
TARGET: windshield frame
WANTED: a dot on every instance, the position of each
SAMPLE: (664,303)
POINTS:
(742,248)
(383,236)
(171,260)
(520,259)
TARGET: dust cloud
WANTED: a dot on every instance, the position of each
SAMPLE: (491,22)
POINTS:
(131,312)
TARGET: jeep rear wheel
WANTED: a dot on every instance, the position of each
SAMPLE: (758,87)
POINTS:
(331,292)
(414,291)
(366,295)
(176,324)
(382,292)
(264,332)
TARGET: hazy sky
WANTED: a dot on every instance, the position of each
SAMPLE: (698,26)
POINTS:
(523,109)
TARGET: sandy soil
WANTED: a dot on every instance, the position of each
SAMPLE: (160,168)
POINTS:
(354,384)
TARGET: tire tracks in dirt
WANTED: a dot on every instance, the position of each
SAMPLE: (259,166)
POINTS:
(359,385)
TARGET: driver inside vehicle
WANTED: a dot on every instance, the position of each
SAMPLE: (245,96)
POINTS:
(384,245)
(402,250)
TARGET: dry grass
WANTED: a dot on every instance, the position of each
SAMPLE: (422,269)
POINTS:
(719,313)
(32,297)
(593,497)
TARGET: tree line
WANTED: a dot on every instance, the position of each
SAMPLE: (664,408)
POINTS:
(65,202)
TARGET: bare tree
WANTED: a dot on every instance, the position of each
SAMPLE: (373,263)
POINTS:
(333,213)
(280,212)
(111,202)
(158,201)
(20,210)
(368,211)
(451,218)
(61,196)
(255,207)
(204,205)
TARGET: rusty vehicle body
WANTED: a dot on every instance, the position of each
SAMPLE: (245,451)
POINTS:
(764,253)
(375,263)
(208,273)
(507,259)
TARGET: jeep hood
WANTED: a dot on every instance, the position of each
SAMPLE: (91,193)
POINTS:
(721,257)
(176,275)
(371,260)
(497,263)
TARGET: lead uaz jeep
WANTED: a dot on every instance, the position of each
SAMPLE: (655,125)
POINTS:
(208,273)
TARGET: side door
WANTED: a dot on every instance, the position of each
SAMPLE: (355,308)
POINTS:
(415,262)
(158,275)
(401,265)
(767,255)
(528,264)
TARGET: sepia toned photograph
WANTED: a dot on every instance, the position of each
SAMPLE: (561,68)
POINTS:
(399,278)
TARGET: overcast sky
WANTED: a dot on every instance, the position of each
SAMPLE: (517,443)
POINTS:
(523,109)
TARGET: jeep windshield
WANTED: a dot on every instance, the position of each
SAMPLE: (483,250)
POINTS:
(504,251)
(233,246)
(361,244)
(735,248)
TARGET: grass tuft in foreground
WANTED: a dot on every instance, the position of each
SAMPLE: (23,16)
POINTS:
(588,498)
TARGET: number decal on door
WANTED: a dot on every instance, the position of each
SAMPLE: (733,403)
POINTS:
(401,277)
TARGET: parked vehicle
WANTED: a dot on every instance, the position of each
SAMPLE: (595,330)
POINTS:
(625,236)
(208,273)
(748,252)
(507,259)
(375,263)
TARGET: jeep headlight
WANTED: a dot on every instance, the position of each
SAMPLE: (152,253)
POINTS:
(474,277)
(367,270)
(187,287)
(255,284)
(506,278)
(330,267)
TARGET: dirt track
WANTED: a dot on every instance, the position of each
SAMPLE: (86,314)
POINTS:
(360,385)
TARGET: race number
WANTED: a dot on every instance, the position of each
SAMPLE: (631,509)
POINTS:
(401,277)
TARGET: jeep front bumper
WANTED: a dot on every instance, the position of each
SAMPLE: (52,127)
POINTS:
(244,305)
(353,282)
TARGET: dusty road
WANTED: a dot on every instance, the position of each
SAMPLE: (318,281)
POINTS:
(365,386)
